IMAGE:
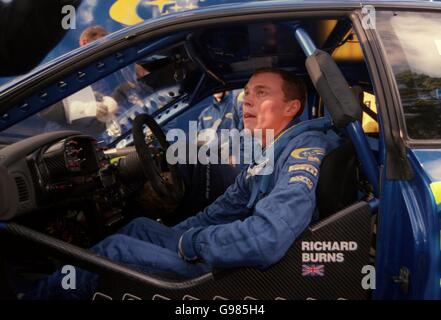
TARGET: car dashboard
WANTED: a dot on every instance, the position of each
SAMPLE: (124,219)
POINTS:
(59,167)
(55,181)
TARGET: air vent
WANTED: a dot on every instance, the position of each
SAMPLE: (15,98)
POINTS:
(23,192)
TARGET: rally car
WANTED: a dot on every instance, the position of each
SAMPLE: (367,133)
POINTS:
(67,181)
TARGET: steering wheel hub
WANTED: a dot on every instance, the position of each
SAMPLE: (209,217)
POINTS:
(166,179)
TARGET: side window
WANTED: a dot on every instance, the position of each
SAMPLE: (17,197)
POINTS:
(106,109)
(412,41)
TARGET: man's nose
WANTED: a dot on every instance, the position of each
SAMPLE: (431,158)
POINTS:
(247,101)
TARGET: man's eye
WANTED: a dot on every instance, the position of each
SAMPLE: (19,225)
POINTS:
(261,93)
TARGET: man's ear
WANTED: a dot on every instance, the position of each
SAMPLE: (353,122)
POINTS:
(83,42)
(293,108)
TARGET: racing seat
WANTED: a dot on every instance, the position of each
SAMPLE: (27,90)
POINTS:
(338,181)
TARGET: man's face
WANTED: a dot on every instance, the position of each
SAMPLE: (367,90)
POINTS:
(264,104)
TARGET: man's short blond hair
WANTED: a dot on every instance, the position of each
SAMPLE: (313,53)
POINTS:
(293,87)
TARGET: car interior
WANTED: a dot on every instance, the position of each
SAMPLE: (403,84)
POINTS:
(63,191)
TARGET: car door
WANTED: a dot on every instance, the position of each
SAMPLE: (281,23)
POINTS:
(404,54)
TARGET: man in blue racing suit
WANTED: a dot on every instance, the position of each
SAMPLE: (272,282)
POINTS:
(253,223)
(224,112)
(209,181)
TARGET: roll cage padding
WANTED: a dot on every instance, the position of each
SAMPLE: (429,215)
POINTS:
(26,240)
(338,182)
(333,88)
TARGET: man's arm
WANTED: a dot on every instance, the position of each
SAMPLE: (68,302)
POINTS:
(278,219)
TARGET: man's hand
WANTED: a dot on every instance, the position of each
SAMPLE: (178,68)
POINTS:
(101,112)
(106,109)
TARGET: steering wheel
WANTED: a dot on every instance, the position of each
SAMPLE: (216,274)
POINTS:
(168,189)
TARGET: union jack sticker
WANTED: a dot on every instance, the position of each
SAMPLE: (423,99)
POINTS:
(312,270)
